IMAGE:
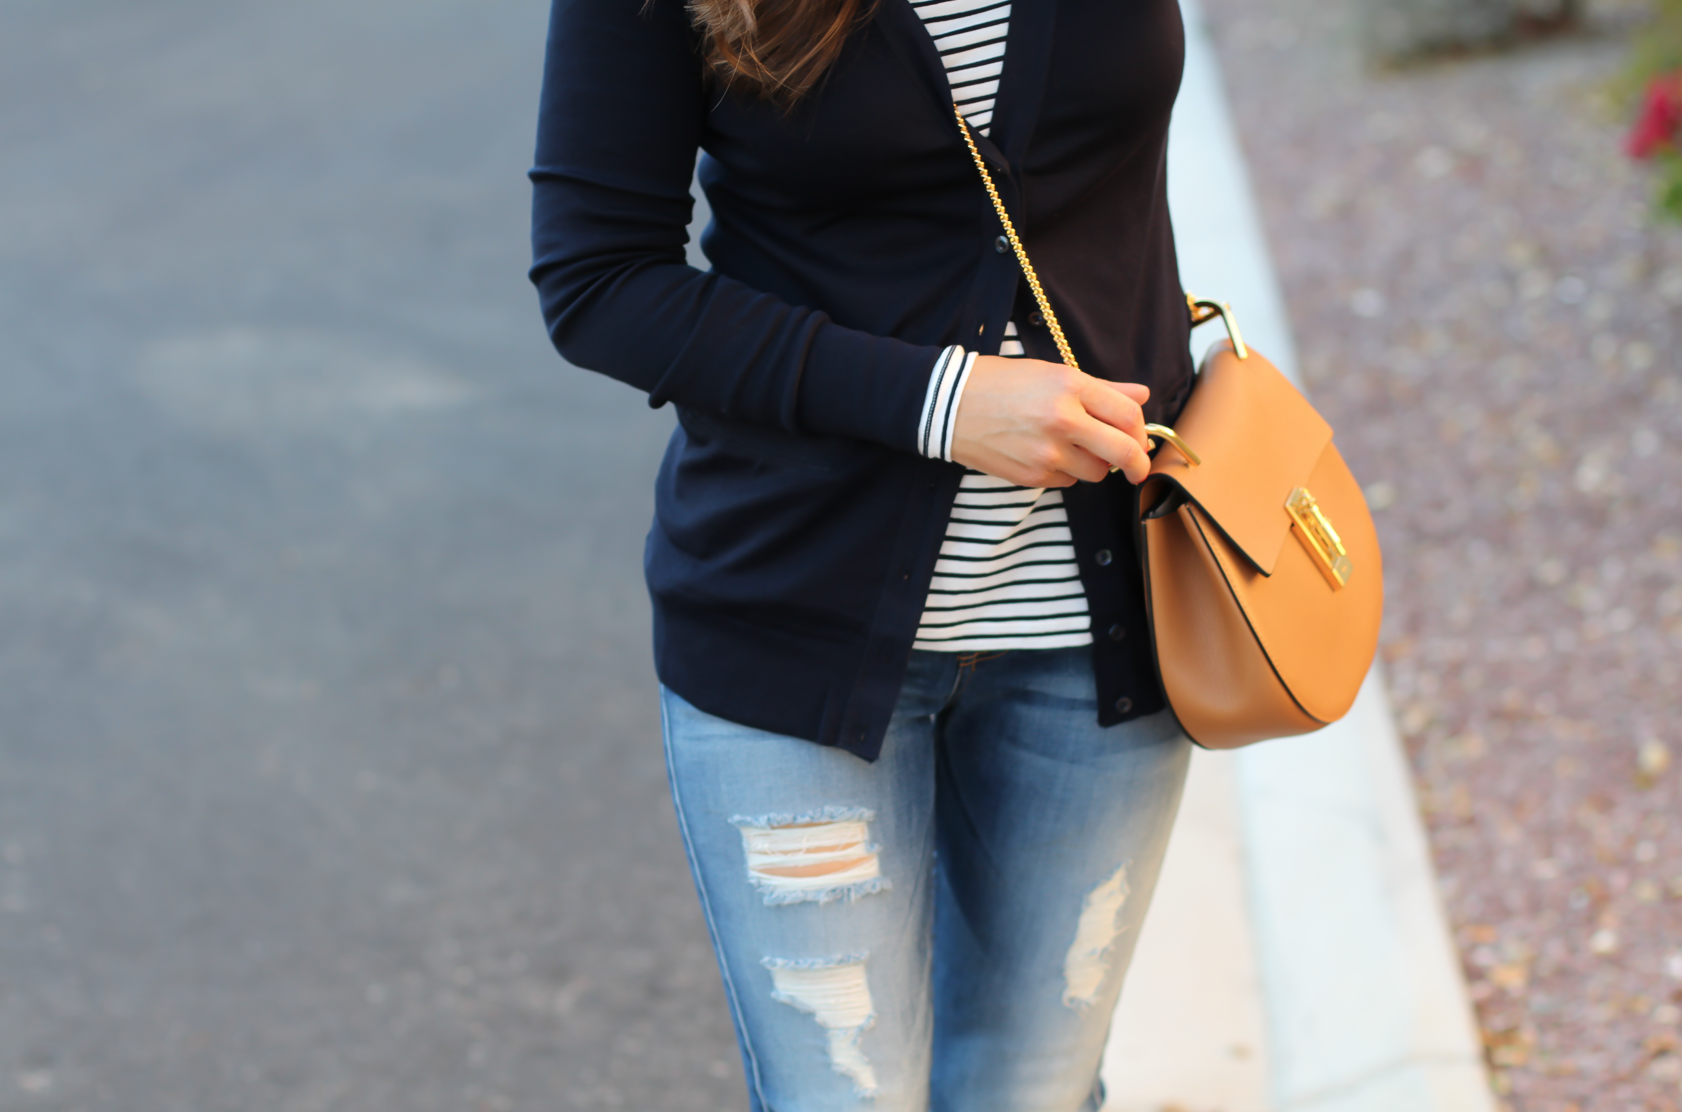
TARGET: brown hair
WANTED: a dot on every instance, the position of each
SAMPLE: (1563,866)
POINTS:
(776,49)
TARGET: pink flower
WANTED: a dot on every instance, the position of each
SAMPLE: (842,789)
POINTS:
(1660,118)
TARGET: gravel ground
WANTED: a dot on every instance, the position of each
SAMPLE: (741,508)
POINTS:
(1488,315)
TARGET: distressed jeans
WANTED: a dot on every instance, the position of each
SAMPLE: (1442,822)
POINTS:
(946,928)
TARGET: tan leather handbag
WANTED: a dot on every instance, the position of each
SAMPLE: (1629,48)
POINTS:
(1263,577)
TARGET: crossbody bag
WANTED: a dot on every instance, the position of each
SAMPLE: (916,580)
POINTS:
(1263,580)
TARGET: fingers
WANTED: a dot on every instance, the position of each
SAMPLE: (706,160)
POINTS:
(1116,431)
(1118,405)
(1086,466)
(1138,391)
(1115,449)
(1062,465)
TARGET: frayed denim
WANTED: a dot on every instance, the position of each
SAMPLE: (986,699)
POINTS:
(947,928)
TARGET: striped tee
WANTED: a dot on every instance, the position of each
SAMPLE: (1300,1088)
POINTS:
(1006,576)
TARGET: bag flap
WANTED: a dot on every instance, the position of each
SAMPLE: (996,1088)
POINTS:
(1259,440)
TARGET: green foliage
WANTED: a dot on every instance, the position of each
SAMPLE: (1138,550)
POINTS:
(1657,49)
(1667,185)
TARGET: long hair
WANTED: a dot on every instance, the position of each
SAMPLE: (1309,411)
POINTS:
(776,49)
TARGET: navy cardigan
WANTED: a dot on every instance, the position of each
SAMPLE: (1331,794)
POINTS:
(796,526)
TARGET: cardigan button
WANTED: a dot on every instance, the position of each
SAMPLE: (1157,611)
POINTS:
(1102,557)
(1037,319)
(1002,245)
(1118,632)
(1123,705)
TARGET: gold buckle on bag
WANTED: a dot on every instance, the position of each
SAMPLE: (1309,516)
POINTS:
(1202,311)
(1315,532)
(1208,310)
(1163,432)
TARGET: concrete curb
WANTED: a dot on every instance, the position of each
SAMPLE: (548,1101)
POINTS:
(1365,1002)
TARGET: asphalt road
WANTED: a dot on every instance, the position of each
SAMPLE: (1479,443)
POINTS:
(330,773)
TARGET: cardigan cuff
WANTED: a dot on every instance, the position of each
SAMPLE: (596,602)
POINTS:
(940,404)
(861,386)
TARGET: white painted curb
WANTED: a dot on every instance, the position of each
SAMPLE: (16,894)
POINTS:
(1366,1006)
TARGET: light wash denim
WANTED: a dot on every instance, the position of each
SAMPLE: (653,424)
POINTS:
(948,927)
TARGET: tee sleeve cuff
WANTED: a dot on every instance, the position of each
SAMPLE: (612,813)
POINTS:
(940,404)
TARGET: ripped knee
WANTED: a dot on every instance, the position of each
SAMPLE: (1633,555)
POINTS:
(818,857)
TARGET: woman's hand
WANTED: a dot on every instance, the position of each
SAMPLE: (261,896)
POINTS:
(1042,424)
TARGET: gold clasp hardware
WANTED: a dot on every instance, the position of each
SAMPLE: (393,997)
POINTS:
(1208,310)
(1172,437)
(1318,536)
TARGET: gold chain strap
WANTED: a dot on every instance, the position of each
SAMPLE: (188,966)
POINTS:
(1063,348)
(1044,303)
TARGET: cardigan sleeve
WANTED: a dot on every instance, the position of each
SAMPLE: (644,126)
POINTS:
(620,121)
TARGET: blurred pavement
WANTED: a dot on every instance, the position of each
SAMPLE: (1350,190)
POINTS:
(330,772)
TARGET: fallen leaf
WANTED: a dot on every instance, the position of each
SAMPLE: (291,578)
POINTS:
(1652,761)
(1661,1042)
(1513,977)
(1415,718)
(1380,495)
(1466,747)
(1509,1056)
(1511,1046)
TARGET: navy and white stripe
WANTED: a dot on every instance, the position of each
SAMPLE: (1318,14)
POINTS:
(970,36)
(1006,576)
(940,405)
